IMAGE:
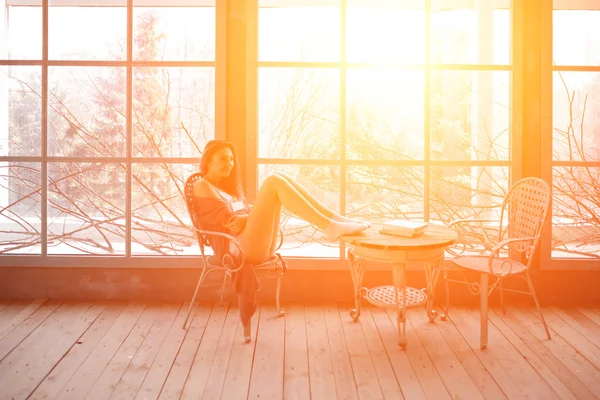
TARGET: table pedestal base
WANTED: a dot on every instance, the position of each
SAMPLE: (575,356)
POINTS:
(397,296)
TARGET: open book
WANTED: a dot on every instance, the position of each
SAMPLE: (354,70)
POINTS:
(403,227)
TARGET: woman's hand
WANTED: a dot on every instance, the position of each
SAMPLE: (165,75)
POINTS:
(236,224)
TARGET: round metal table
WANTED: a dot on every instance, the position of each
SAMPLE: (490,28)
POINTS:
(426,249)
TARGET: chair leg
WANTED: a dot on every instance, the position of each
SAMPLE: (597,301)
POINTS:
(501,295)
(223,288)
(277,294)
(537,304)
(446,295)
(200,280)
(484,311)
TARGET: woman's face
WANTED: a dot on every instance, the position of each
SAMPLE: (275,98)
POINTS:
(221,163)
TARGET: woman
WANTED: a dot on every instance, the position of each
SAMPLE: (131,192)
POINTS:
(219,205)
(220,193)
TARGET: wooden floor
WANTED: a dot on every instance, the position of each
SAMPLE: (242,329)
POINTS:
(105,350)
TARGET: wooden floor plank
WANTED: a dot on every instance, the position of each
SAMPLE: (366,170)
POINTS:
(37,361)
(3,304)
(17,312)
(239,369)
(173,385)
(560,370)
(430,380)
(120,361)
(73,349)
(388,384)
(582,318)
(592,316)
(14,307)
(579,323)
(92,368)
(35,343)
(296,385)
(480,376)
(266,380)
(24,329)
(469,328)
(196,379)
(40,339)
(340,359)
(527,379)
(162,363)
(135,373)
(78,353)
(403,369)
(365,375)
(546,373)
(455,378)
(567,354)
(322,383)
(218,367)
(577,339)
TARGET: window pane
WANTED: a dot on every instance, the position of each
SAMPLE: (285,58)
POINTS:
(86,115)
(576,116)
(576,38)
(23,33)
(479,34)
(575,212)
(173,111)
(377,31)
(470,115)
(174,33)
(20,219)
(301,238)
(382,193)
(160,220)
(467,192)
(298,113)
(86,208)
(296,33)
(20,133)
(384,115)
(80,33)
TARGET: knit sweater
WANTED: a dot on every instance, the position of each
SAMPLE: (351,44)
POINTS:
(212,214)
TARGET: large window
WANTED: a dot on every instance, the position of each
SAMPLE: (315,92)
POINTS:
(385,109)
(105,107)
(575,162)
(382,108)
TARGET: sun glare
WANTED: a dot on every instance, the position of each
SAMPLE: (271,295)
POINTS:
(378,35)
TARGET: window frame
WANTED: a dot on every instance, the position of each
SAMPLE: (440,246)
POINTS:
(547,162)
(251,72)
(219,64)
(253,65)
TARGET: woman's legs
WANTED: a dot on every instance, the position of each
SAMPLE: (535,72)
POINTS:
(314,202)
(308,196)
(276,226)
(263,221)
(320,207)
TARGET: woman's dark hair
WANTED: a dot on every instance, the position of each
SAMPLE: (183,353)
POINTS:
(233,183)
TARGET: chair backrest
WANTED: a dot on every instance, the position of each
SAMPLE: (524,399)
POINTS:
(526,205)
(203,240)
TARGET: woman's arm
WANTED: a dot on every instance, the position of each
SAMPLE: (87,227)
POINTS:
(237,223)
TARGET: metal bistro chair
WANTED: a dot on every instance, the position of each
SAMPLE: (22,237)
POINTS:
(225,262)
(525,207)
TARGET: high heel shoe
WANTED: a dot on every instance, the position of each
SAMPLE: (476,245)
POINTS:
(247,332)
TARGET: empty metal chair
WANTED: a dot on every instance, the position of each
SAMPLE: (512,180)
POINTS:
(509,253)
